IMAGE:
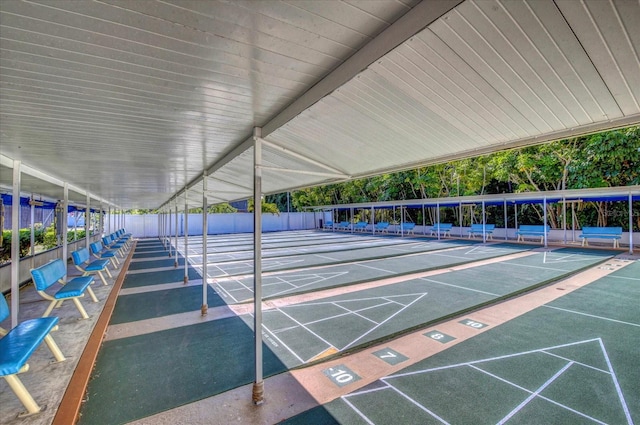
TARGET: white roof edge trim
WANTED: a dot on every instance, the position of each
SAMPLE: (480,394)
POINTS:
(508,197)
(26,169)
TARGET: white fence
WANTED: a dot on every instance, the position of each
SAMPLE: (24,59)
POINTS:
(147,226)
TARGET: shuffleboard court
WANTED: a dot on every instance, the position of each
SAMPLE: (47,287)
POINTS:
(546,366)
(134,280)
(237,290)
(195,253)
(305,332)
(241,268)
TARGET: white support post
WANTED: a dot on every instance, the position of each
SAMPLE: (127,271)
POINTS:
(186,238)
(424,226)
(205,229)
(32,238)
(258,385)
(87,223)
(169,230)
(15,244)
(75,225)
(544,207)
(484,224)
(630,223)
(438,218)
(63,215)
(175,248)
(506,222)
(564,218)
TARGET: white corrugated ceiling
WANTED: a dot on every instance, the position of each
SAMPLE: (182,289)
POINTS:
(134,100)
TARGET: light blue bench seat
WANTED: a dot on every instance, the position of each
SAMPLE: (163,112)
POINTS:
(441,228)
(532,231)
(82,261)
(55,271)
(110,242)
(406,228)
(101,253)
(328,225)
(16,347)
(382,226)
(479,229)
(614,233)
(360,226)
(344,225)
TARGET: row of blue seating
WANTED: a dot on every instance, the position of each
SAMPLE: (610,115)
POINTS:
(18,344)
(524,231)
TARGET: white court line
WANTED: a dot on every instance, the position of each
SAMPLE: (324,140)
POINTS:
(540,396)
(308,330)
(532,267)
(320,279)
(617,385)
(355,409)
(458,286)
(506,356)
(420,406)
(385,321)
(624,277)
(578,363)
(280,341)
(534,394)
(374,268)
(593,315)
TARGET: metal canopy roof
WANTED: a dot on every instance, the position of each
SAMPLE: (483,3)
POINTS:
(134,101)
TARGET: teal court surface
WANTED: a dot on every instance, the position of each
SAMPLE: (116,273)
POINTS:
(372,330)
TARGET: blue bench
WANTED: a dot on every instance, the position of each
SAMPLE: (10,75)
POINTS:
(406,228)
(344,225)
(82,261)
(361,226)
(328,225)
(533,231)
(111,242)
(479,229)
(17,345)
(442,228)
(101,253)
(614,233)
(55,271)
(122,236)
(382,227)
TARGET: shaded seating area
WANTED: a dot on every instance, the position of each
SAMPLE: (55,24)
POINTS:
(82,261)
(611,233)
(44,277)
(532,231)
(442,229)
(16,347)
(382,227)
(482,229)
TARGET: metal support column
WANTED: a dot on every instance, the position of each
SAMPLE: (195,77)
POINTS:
(15,244)
(87,223)
(205,229)
(258,385)
(506,222)
(630,223)
(32,237)
(438,219)
(544,207)
(175,248)
(484,224)
(186,238)
(65,211)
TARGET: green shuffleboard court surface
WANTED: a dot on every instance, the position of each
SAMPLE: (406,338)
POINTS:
(152,264)
(142,375)
(151,304)
(301,333)
(238,268)
(158,277)
(548,366)
(297,282)
(159,253)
